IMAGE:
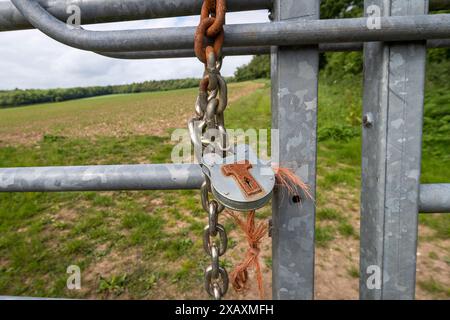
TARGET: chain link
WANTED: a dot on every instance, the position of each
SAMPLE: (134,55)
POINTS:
(208,134)
(215,243)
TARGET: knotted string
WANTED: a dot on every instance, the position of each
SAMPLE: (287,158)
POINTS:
(255,233)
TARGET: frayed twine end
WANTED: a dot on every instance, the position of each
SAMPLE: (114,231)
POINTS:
(287,178)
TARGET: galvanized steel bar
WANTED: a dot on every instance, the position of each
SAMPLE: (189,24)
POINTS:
(294,114)
(297,32)
(183,53)
(233,51)
(392,136)
(240,51)
(101,178)
(434,198)
(101,11)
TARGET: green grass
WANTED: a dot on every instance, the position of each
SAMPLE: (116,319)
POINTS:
(114,285)
(43,233)
(435,288)
(353,272)
(328,214)
(45,111)
(252,112)
(433,255)
(440,223)
(324,235)
(347,230)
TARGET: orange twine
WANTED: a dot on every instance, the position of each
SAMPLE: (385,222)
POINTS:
(255,232)
(287,178)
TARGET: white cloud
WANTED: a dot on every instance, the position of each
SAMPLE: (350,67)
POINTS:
(30,59)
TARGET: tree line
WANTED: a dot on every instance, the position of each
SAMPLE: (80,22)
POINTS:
(335,65)
(258,68)
(18,97)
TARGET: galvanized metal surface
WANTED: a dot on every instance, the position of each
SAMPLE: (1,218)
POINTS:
(294,114)
(102,178)
(434,198)
(100,11)
(182,53)
(391,158)
(300,31)
(225,188)
(238,51)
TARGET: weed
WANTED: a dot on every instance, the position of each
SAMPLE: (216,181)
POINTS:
(328,214)
(324,235)
(439,223)
(434,287)
(347,230)
(433,255)
(353,272)
(113,285)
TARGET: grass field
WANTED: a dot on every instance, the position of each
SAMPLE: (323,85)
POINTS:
(147,245)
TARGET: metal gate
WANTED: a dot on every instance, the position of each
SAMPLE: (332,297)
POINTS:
(394,36)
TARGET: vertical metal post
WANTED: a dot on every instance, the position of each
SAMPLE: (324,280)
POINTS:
(294,114)
(393,110)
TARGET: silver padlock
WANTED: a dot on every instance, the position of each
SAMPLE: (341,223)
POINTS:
(241,181)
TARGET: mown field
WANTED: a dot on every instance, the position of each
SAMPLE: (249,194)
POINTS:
(147,245)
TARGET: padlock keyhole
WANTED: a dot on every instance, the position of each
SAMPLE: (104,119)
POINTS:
(248,182)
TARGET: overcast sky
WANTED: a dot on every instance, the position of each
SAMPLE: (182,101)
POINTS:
(30,59)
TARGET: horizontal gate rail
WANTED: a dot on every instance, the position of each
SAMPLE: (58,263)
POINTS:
(257,34)
(434,198)
(101,178)
(238,51)
(101,11)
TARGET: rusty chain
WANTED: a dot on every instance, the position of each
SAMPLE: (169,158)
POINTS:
(209,108)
